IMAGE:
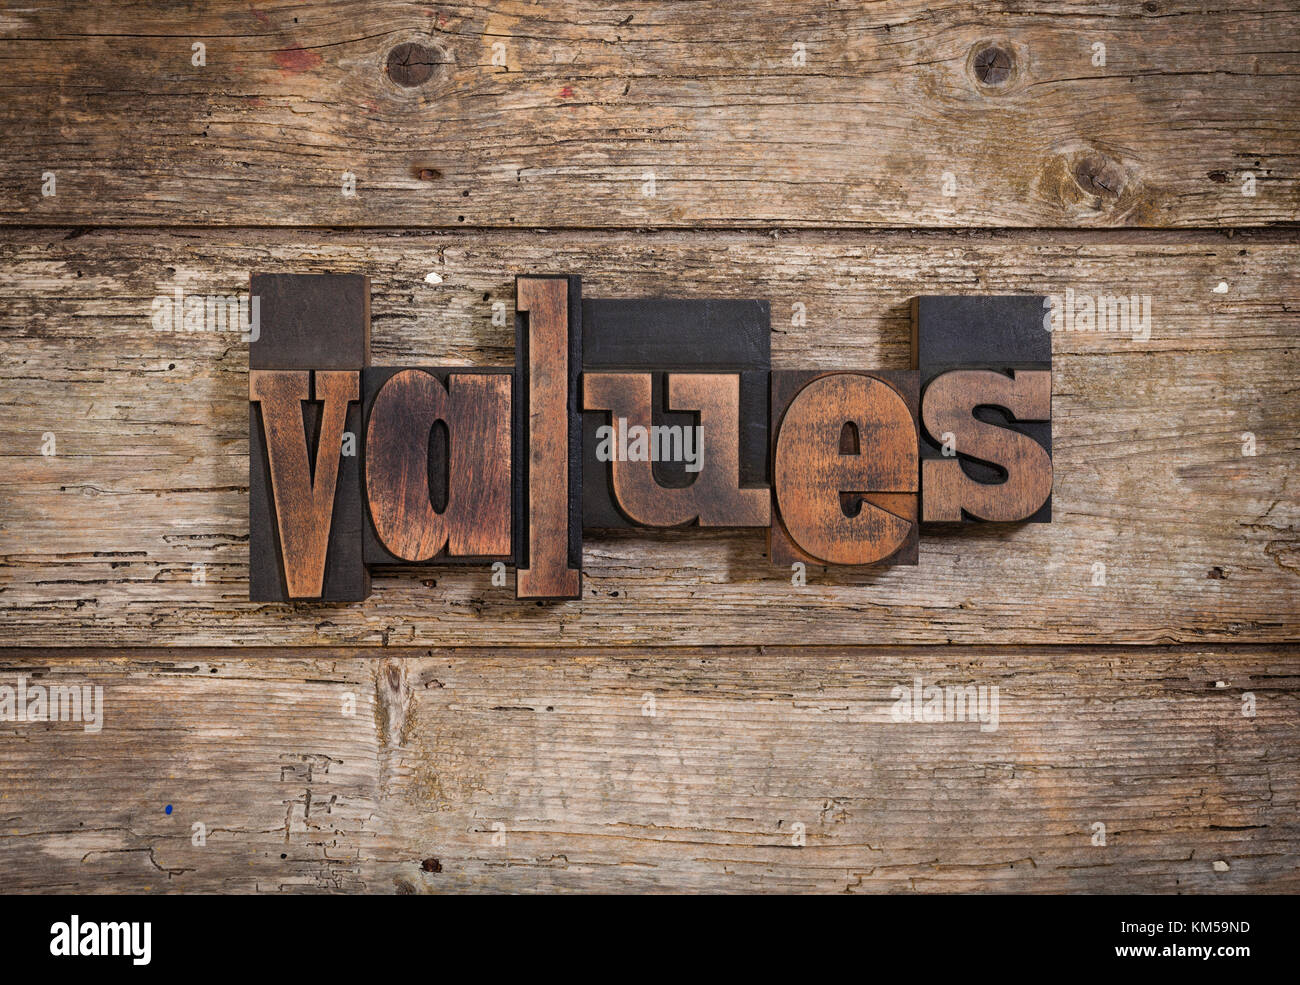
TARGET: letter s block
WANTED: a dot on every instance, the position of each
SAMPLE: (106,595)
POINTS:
(950,404)
(985,365)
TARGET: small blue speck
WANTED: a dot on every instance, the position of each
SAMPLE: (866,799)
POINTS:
(168,809)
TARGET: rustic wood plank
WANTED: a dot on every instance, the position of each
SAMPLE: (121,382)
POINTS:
(593,794)
(98,543)
(523,114)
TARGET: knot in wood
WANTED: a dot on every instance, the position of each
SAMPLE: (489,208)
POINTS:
(411,64)
(1098,175)
(993,65)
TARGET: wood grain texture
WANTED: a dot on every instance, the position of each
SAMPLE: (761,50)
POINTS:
(948,492)
(473,515)
(638,739)
(563,114)
(1200,541)
(841,440)
(593,794)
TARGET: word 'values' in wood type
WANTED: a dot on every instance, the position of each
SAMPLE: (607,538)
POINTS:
(644,413)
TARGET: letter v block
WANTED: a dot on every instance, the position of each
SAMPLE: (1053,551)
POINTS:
(305,511)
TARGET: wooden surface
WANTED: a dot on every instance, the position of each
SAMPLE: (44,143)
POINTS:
(1150,476)
(506,745)
(594,97)
(594,795)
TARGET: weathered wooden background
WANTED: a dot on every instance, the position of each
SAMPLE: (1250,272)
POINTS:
(797,152)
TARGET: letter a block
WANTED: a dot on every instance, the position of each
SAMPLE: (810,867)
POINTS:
(438,474)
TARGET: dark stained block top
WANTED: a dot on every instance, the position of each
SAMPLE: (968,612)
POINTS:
(980,331)
(990,332)
(311,321)
(655,333)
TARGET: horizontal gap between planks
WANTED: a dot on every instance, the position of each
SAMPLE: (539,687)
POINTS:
(1189,236)
(1288,650)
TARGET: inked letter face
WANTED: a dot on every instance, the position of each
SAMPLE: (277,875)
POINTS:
(304,494)
(845,469)
(548,434)
(715,496)
(981,357)
(949,408)
(303,497)
(474,409)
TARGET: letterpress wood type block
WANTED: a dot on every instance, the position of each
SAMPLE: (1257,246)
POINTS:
(304,503)
(709,450)
(548,437)
(681,338)
(844,467)
(993,419)
(311,321)
(438,465)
